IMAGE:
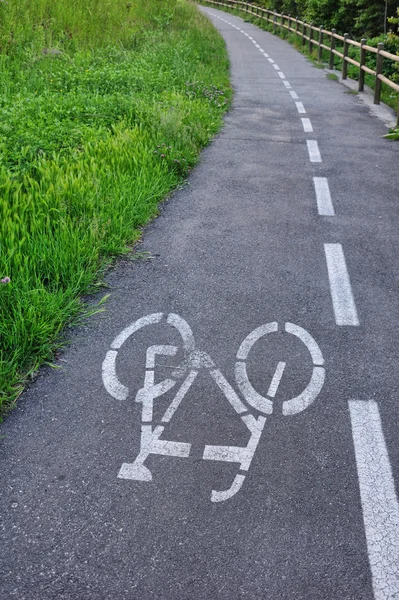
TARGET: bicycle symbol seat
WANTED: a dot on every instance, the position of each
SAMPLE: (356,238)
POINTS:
(195,360)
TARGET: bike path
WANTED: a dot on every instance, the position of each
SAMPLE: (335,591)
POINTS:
(243,245)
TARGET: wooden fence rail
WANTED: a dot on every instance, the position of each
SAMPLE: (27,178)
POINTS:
(315,37)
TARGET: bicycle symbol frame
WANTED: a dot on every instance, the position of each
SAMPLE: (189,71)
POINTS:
(195,360)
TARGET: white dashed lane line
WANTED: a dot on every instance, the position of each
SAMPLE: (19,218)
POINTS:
(307,125)
(323,196)
(300,108)
(341,291)
(313,150)
(294,95)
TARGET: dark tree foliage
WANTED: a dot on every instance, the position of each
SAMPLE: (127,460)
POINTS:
(360,18)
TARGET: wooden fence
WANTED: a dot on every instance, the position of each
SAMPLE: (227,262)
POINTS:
(317,37)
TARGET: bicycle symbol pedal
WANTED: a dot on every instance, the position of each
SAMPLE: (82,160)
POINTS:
(195,360)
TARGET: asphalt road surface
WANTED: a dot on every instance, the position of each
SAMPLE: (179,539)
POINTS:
(228,428)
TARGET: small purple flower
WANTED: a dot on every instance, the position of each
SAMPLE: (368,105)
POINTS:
(5,280)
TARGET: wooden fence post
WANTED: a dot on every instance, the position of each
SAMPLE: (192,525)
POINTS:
(310,38)
(332,47)
(362,62)
(320,51)
(380,60)
(303,33)
(344,62)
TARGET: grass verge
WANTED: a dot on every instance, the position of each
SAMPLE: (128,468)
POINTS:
(104,108)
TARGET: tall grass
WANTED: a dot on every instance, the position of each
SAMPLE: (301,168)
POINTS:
(104,107)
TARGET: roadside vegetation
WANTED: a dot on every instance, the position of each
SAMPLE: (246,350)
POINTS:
(104,107)
(358,18)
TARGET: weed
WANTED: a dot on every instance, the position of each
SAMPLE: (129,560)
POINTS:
(104,107)
(332,77)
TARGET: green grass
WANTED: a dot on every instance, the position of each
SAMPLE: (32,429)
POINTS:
(104,107)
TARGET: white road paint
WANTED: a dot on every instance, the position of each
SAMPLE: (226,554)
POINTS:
(307,397)
(294,95)
(341,291)
(226,494)
(378,497)
(307,125)
(273,387)
(323,196)
(238,454)
(300,108)
(287,84)
(313,150)
(254,399)
(308,341)
(110,379)
(194,360)
(313,389)
(170,411)
(275,66)
(228,391)
(253,337)
(281,75)
(184,329)
(151,444)
(264,404)
(131,329)
(241,455)
(271,61)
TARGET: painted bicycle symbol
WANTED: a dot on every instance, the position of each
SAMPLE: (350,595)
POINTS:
(186,373)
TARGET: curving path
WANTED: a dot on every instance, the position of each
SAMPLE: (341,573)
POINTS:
(229,428)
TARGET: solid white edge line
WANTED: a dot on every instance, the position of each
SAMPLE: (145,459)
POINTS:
(378,498)
(313,150)
(341,291)
(323,196)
